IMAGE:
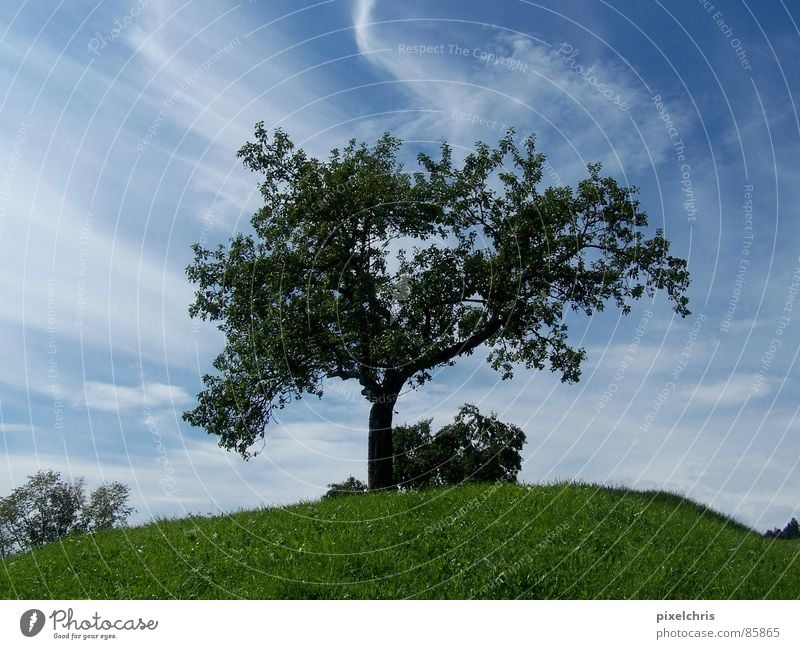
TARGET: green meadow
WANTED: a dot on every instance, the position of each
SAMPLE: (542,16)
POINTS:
(568,541)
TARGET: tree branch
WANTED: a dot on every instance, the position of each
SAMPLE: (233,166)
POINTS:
(460,347)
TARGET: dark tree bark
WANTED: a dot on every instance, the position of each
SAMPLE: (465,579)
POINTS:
(380,459)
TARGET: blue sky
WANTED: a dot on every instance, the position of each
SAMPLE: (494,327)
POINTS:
(120,123)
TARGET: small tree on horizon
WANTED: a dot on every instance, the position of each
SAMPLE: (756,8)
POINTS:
(790,532)
(349,487)
(358,270)
(48,507)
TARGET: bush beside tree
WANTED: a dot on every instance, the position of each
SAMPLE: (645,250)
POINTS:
(474,448)
(347,488)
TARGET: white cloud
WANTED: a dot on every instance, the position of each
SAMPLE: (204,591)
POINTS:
(108,397)
(361,17)
(16,428)
(732,391)
(575,123)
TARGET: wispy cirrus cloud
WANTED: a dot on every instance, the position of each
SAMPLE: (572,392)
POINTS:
(482,76)
(109,397)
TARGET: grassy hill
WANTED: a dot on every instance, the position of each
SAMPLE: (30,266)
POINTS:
(480,541)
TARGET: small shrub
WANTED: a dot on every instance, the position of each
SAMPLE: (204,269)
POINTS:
(791,531)
(349,487)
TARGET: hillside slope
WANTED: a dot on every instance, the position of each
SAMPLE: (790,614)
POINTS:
(480,541)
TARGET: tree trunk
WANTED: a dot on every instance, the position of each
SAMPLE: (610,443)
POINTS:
(380,467)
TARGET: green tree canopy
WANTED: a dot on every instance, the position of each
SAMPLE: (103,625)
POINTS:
(358,270)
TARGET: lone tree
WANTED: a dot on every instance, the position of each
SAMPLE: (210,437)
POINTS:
(356,269)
